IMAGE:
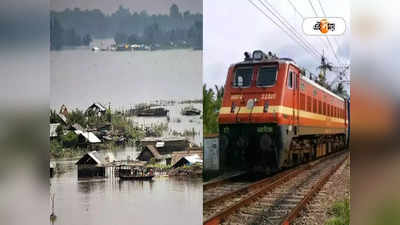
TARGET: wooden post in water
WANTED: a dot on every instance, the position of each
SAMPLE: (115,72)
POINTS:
(53,216)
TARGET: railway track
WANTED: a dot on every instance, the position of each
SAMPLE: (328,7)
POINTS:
(226,180)
(273,200)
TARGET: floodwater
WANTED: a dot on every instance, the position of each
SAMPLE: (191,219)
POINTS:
(165,200)
(177,122)
(80,77)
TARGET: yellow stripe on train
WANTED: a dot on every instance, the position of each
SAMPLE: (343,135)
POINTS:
(282,110)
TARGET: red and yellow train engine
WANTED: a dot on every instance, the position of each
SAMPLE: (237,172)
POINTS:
(273,117)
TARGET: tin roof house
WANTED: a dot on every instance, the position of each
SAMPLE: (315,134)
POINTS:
(188,161)
(93,164)
(96,109)
(151,151)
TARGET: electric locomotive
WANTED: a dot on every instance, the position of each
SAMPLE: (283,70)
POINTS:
(274,117)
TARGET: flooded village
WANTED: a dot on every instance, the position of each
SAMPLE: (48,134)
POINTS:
(94,134)
(125,114)
(101,147)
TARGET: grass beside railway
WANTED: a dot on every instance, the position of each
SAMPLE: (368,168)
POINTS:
(340,212)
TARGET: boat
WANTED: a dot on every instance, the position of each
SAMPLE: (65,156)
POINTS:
(152,111)
(131,177)
(190,111)
(130,172)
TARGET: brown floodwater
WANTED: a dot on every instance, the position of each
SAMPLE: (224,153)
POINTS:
(109,201)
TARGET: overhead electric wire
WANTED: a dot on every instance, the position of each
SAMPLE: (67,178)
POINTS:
(327,38)
(323,11)
(302,17)
(287,25)
(309,51)
(312,6)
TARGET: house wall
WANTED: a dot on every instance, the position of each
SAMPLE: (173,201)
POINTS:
(146,155)
(86,171)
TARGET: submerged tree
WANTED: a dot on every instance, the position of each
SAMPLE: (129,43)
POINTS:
(87,39)
(56,34)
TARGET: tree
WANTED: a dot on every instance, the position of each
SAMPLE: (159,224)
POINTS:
(133,39)
(120,38)
(195,34)
(71,38)
(56,34)
(211,105)
(70,140)
(77,116)
(87,39)
(59,131)
(152,34)
(174,12)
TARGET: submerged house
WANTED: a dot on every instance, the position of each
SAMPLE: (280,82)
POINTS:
(167,145)
(188,161)
(93,164)
(176,156)
(52,168)
(86,137)
(150,151)
(96,109)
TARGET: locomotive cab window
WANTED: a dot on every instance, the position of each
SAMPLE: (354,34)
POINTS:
(290,79)
(243,77)
(266,76)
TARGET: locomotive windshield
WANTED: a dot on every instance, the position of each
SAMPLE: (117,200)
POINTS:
(266,76)
(243,77)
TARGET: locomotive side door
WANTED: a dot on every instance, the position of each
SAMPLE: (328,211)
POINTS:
(294,75)
(297,97)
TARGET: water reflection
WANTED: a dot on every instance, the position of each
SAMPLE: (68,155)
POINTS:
(111,201)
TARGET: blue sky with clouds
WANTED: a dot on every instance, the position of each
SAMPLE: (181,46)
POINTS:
(233,27)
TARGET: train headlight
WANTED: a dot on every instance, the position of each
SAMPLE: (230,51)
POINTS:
(266,105)
(250,104)
(233,107)
(258,55)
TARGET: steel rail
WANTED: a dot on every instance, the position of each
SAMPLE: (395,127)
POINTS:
(222,215)
(310,195)
(246,189)
(217,183)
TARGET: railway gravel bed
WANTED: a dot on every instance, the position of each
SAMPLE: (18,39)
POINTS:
(336,189)
(274,205)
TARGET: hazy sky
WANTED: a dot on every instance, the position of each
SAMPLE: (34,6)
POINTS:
(233,27)
(109,6)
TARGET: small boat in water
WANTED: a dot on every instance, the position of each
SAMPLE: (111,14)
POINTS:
(131,177)
(152,111)
(129,172)
(190,111)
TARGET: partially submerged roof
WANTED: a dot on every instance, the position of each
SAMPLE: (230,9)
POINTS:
(190,160)
(96,158)
(177,155)
(98,105)
(76,126)
(153,150)
(62,117)
(92,138)
(53,128)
